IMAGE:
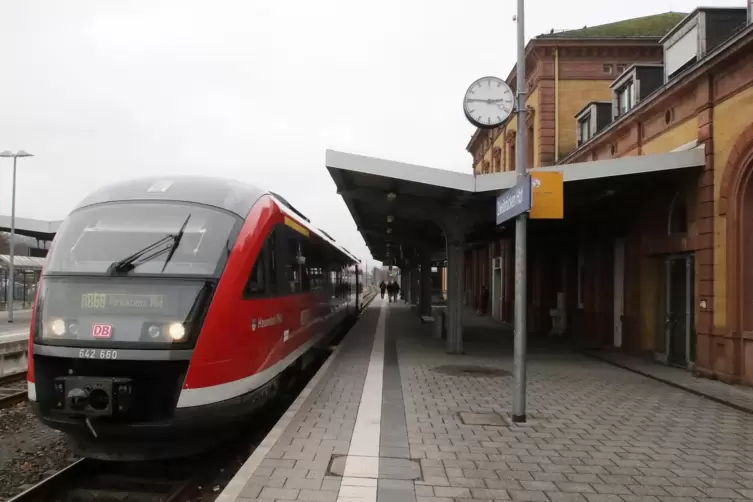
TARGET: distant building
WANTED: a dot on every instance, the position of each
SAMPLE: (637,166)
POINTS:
(32,241)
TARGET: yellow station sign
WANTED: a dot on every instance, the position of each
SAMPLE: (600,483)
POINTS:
(547,195)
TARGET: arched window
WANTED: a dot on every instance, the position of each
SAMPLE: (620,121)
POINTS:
(677,223)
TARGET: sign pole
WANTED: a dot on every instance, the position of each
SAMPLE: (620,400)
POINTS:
(519,396)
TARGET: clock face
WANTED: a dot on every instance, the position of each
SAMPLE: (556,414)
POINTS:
(488,102)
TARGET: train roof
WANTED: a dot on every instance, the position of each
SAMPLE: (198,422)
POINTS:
(231,195)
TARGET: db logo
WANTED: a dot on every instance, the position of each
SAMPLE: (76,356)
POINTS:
(102,330)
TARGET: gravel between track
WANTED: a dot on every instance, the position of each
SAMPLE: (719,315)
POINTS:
(29,451)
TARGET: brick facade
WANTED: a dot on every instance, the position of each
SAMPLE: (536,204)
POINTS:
(710,106)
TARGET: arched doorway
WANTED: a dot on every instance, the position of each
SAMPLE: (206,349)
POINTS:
(734,355)
(745,251)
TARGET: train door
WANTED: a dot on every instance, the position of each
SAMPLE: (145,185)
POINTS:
(293,305)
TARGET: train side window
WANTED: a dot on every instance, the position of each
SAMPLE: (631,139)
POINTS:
(263,278)
(294,270)
(314,263)
(256,284)
(272,262)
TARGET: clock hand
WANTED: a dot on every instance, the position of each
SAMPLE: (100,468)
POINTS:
(487,101)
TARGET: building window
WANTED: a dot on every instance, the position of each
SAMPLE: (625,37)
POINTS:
(625,98)
(607,68)
(620,69)
(584,129)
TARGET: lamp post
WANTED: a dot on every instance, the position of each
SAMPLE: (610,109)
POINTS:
(11,291)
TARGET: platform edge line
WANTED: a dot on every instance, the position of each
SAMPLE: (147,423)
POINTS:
(236,484)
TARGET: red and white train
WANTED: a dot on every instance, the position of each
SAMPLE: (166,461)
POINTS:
(171,309)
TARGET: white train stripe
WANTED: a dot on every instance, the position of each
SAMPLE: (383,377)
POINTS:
(224,391)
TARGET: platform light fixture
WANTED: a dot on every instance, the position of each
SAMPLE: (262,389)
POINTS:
(390,218)
(391,196)
(389,230)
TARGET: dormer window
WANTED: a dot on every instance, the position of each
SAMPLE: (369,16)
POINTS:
(625,98)
(591,119)
(702,31)
(636,83)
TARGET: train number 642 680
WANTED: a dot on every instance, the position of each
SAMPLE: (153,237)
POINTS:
(97,354)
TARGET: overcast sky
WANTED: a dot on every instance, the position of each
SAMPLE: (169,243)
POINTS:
(102,90)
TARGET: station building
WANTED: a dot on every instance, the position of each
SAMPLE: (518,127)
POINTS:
(647,261)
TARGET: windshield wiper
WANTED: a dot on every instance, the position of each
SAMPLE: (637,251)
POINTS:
(169,242)
(176,242)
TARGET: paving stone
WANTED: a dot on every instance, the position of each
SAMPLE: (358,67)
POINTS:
(611,489)
(592,497)
(279,493)
(574,487)
(565,497)
(528,496)
(642,490)
(317,496)
(452,491)
(539,485)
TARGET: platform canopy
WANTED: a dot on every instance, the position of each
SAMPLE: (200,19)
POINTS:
(401,209)
(22,262)
(38,229)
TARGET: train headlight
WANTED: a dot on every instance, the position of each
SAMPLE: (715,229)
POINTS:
(176,331)
(57,327)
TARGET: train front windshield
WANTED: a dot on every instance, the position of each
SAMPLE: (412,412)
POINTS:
(132,273)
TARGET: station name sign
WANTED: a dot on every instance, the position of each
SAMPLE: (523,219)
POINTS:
(515,201)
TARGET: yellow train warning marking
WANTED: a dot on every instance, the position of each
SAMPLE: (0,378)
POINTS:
(296,226)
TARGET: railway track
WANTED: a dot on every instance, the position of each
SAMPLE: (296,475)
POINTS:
(12,389)
(193,478)
(91,480)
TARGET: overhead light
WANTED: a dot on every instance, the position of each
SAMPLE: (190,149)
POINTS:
(389,230)
(391,196)
(390,218)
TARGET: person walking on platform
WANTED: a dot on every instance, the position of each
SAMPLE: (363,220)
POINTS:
(393,289)
(382,288)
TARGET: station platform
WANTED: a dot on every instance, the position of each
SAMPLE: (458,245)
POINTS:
(392,417)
